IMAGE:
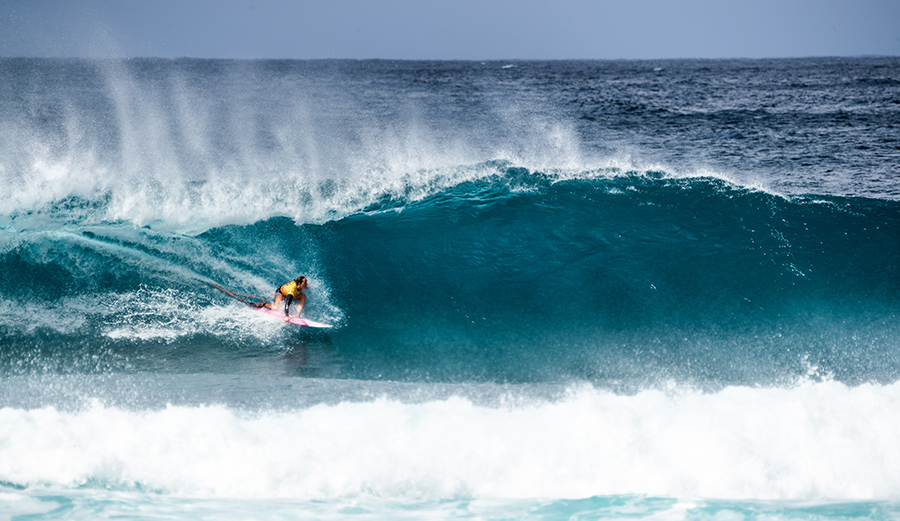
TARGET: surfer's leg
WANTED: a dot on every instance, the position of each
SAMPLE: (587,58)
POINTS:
(276,301)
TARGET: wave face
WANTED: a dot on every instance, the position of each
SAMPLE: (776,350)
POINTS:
(522,277)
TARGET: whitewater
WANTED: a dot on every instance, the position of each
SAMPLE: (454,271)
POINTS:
(630,289)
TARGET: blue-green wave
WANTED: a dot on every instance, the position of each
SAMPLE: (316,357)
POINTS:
(630,279)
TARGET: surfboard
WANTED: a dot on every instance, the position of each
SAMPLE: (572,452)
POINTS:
(292,319)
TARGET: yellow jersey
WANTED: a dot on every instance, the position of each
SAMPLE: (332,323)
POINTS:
(290,289)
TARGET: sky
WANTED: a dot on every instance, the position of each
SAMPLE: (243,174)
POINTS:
(449,30)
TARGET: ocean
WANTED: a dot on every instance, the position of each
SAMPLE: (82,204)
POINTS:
(559,290)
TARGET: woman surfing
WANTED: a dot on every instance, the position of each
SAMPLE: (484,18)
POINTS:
(287,293)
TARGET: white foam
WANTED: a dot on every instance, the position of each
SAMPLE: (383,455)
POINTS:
(812,442)
(27,317)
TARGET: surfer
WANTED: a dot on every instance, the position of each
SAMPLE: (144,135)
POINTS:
(287,293)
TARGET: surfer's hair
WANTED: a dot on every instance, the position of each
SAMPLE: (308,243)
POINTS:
(299,279)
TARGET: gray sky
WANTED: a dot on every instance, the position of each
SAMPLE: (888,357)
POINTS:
(458,29)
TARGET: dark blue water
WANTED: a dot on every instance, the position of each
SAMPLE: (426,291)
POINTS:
(490,240)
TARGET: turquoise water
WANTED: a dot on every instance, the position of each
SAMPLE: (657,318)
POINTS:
(614,507)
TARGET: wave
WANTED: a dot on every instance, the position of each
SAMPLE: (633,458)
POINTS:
(811,442)
(507,275)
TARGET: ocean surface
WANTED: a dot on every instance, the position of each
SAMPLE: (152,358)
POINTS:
(561,290)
